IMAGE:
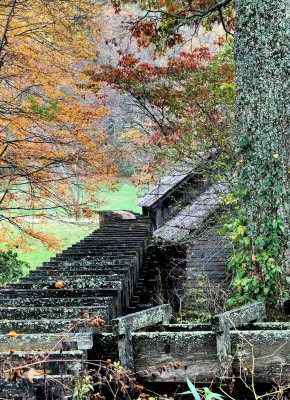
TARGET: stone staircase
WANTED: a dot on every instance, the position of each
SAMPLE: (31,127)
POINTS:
(49,318)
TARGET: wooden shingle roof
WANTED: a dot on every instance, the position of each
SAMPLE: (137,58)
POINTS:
(167,185)
(193,215)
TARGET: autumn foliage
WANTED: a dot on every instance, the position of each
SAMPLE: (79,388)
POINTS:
(52,151)
(163,23)
(188,101)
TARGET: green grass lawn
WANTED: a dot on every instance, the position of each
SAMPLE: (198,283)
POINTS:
(125,198)
(66,233)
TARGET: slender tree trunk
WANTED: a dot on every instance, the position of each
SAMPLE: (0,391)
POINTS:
(261,51)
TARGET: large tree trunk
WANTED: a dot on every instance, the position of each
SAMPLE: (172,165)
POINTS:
(261,51)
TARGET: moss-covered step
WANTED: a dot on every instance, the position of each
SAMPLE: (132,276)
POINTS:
(66,277)
(80,268)
(60,293)
(73,254)
(48,326)
(116,240)
(104,245)
(43,342)
(111,238)
(82,282)
(90,262)
(102,250)
(59,273)
(63,302)
(87,257)
(131,270)
(99,252)
(54,312)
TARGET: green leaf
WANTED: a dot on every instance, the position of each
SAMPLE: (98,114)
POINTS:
(209,395)
(215,396)
(187,392)
(193,390)
(241,230)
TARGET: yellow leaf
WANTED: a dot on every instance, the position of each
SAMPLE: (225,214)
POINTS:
(240,162)
(276,155)
(13,334)
(29,375)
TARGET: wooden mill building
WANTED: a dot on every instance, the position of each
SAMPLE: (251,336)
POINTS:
(117,295)
(185,211)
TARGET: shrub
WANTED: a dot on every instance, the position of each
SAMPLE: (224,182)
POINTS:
(11,268)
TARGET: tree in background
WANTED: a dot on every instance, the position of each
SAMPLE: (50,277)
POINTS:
(163,23)
(261,229)
(188,103)
(52,148)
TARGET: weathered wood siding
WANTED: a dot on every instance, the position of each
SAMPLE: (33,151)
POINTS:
(197,353)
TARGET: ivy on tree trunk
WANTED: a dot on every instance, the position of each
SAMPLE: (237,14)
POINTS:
(261,52)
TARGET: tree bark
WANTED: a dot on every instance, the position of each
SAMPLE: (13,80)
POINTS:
(261,52)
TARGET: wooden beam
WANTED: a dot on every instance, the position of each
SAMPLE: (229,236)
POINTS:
(123,327)
(196,351)
(223,323)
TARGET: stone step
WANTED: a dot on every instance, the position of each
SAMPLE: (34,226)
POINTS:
(64,302)
(88,269)
(117,229)
(120,234)
(124,224)
(87,256)
(102,250)
(47,326)
(83,282)
(24,313)
(109,239)
(45,342)
(117,237)
(59,293)
(104,244)
(59,273)
(102,260)
(68,278)
(91,262)
(117,281)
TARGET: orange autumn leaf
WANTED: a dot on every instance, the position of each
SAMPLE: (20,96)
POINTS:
(59,285)
(14,334)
